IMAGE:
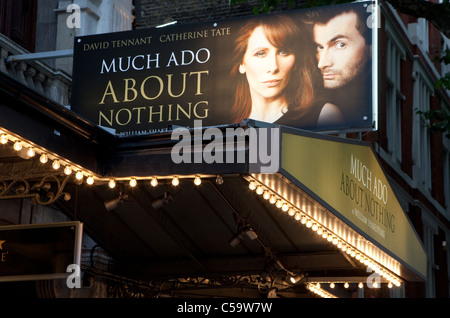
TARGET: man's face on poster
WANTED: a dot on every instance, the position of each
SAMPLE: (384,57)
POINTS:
(342,52)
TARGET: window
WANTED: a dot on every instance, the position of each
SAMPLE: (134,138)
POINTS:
(445,68)
(423,89)
(394,55)
(18,21)
(446,149)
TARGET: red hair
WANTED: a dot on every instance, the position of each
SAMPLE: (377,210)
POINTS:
(282,32)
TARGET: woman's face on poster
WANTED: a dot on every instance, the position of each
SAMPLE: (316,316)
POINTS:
(266,67)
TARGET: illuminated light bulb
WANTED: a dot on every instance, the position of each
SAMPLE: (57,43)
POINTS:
(133,182)
(339,244)
(272,199)
(79,175)
(285,207)
(67,170)
(319,230)
(43,158)
(112,183)
(318,285)
(315,227)
(90,180)
(17,146)
(332,285)
(335,240)
(198,181)
(360,285)
(324,234)
(3,139)
(291,212)
(252,185)
(358,256)
(219,179)
(31,152)
(344,247)
(309,223)
(266,195)
(390,285)
(154,182)
(297,216)
(279,204)
(259,190)
(303,220)
(346,285)
(375,285)
(56,165)
(175,181)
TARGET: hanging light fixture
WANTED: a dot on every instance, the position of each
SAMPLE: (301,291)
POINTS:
(90,180)
(259,190)
(112,183)
(31,152)
(68,170)
(79,175)
(56,164)
(4,139)
(17,146)
(219,179)
(197,180)
(273,199)
(43,158)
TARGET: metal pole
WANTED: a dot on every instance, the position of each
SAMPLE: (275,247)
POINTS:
(39,56)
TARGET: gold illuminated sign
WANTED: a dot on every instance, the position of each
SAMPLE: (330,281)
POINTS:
(347,178)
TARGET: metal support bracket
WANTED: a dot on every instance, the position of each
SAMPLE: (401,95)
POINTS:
(39,56)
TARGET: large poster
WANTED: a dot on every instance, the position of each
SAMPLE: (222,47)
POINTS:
(310,69)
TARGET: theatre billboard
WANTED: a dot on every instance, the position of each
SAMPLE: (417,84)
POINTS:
(312,69)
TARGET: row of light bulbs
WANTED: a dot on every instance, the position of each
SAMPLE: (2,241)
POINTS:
(375,284)
(317,288)
(321,230)
(44,157)
(154,181)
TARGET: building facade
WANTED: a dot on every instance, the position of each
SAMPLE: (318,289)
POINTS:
(416,162)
